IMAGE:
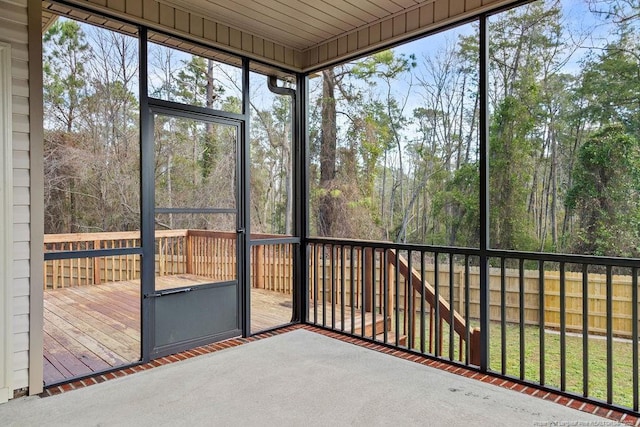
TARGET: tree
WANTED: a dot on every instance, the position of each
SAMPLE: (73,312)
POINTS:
(524,44)
(66,54)
(606,194)
(610,83)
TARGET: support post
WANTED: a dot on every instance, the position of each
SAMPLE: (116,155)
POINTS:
(483,87)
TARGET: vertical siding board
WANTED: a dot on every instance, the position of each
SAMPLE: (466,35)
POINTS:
(413,20)
(441,10)
(289,57)
(311,56)
(258,46)
(196,25)
(182,20)
(247,42)
(268,49)
(323,53)
(363,38)
(222,36)
(342,45)
(332,49)
(472,4)
(386,29)
(374,34)
(352,42)
(210,30)
(279,53)
(167,16)
(235,38)
(134,8)
(119,5)
(399,25)
(456,7)
(151,10)
(426,15)
(298,59)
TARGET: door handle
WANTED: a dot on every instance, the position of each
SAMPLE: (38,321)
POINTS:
(168,292)
(241,230)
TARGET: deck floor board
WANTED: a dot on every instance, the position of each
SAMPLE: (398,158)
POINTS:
(93,328)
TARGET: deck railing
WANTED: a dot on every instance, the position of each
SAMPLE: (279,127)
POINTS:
(567,323)
(199,252)
(350,281)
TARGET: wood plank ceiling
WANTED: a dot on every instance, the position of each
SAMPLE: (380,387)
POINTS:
(298,35)
(299,24)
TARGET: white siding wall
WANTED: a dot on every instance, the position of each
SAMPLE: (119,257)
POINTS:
(13,22)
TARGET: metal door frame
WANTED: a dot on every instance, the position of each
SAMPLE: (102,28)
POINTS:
(149,108)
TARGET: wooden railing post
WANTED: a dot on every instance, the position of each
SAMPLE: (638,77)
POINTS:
(368,280)
(189,257)
(259,266)
(97,264)
(474,347)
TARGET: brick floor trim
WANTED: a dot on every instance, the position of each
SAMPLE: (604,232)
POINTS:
(531,390)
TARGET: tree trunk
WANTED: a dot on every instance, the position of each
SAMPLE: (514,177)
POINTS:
(328,144)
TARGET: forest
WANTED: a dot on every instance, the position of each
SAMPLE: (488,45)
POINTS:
(393,137)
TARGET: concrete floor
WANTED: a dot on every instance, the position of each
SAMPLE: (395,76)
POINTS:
(299,378)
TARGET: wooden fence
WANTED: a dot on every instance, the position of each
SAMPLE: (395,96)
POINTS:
(597,313)
(198,252)
(212,254)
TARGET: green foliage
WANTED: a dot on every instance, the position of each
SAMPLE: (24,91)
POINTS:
(196,85)
(65,55)
(605,195)
(459,206)
(611,83)
(386,64)
(511,169)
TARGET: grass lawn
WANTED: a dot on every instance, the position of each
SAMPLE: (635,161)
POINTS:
(597,358)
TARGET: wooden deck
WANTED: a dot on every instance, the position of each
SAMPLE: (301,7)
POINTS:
(93,328)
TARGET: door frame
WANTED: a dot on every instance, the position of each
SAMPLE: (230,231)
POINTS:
(147,181)
(149,108)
